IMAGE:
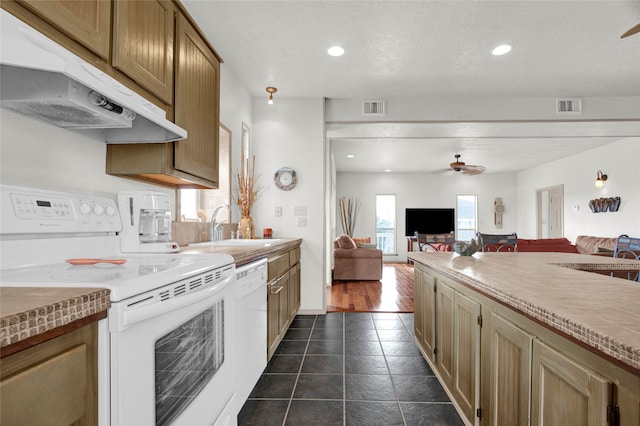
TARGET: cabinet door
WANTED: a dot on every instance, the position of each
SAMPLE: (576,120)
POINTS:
(143,44)
(87,22)
(565,392)
(445,322)
(510,373)
(273,315)
(466,370)
(425,312)
(197,104)
(283,315)
(294,291)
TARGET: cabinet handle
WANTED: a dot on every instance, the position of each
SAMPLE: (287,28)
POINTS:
(277,291)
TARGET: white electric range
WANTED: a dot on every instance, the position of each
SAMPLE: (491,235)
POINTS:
(166,350)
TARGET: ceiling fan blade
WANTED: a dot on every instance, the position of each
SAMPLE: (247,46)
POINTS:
(473,170)
(631,31)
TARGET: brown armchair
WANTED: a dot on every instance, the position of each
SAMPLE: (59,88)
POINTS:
(354,263)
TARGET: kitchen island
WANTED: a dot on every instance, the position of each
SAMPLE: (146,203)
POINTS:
(540,334)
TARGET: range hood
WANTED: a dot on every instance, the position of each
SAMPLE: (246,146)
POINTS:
(43,80)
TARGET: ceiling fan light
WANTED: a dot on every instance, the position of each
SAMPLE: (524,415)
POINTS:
(501,50)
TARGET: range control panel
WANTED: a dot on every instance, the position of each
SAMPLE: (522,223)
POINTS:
(28,210)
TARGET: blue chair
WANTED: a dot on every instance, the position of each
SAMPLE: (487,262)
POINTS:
(628,248)
(498,242)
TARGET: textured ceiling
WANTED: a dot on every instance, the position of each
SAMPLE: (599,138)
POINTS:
(421,49)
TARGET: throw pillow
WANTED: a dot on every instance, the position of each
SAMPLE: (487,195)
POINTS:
(346,242)
(366,245)
(362,240)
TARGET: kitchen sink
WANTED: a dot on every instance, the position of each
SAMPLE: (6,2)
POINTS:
(254,243)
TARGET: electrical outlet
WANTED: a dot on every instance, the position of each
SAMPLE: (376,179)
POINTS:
(300,211)
(302,222)
(278,211)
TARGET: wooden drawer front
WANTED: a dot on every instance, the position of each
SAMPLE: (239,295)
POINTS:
(294,256)
(49,393)
(278,265)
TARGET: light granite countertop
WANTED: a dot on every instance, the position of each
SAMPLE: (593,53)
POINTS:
(555,289)
(243,254)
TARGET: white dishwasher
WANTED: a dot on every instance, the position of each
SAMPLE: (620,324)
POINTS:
(251,326)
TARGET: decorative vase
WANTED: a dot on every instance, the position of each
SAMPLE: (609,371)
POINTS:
(246,227)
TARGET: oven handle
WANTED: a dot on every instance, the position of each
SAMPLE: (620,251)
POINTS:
(131,314)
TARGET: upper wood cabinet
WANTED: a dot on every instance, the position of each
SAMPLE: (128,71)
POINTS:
(197,103)
(87,22)
(193,162)
(143,44)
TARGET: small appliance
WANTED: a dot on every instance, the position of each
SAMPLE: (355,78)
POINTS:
(146,222)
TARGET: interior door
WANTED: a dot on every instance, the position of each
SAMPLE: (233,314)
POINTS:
(550,212)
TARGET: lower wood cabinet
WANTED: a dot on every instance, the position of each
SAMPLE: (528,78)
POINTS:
(502,369)
(53,383)
(565,392)
(283,296)
(510,373)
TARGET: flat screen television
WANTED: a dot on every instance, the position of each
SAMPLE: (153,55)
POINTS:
(429,221)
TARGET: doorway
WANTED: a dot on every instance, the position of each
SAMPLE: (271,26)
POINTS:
(550,212)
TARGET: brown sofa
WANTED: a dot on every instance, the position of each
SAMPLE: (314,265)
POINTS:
(588,244)
(354,263)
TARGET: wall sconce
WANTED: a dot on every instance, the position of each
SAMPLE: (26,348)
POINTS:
(600,178)
(271,91)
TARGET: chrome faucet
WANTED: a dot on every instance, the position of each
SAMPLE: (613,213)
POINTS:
(215,233)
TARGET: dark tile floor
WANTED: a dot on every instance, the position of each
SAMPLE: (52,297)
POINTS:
(349,369)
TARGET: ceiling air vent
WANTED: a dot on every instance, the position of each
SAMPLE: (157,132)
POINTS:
(377,108)
(568,106)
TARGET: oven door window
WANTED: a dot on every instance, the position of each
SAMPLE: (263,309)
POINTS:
(186,359)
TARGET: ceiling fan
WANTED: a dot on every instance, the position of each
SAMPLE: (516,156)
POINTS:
(461,167)
(631,31)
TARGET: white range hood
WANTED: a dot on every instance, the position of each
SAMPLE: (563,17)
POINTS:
(41,79)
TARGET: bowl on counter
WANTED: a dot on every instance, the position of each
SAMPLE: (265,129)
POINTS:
(464,248)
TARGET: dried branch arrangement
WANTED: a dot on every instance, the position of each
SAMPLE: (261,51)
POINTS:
(248,192)
(349,208)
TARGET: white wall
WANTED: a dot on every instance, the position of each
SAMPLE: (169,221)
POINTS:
(619,160)
(427,190)
(291,133)
(40,155)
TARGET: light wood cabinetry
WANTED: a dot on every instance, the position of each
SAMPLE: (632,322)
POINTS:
(425,312)
(501,368)
(283,296)
(87,22)
(143,44)
(510,369)
(193,162)
(565,392)
(53,383)
(458,345)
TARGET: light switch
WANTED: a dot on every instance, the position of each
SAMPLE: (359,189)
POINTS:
(300,211)
(278,211)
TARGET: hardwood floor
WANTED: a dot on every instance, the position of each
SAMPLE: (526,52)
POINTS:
(394,293)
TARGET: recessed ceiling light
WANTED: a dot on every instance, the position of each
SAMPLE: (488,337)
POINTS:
(501,50)
(351,156)
(387,170)
(335,51)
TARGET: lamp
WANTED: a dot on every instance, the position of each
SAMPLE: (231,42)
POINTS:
(271,91)
(600,178)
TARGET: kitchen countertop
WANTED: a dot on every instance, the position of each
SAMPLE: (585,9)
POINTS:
(243,254)
(601,312)
(30,315)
